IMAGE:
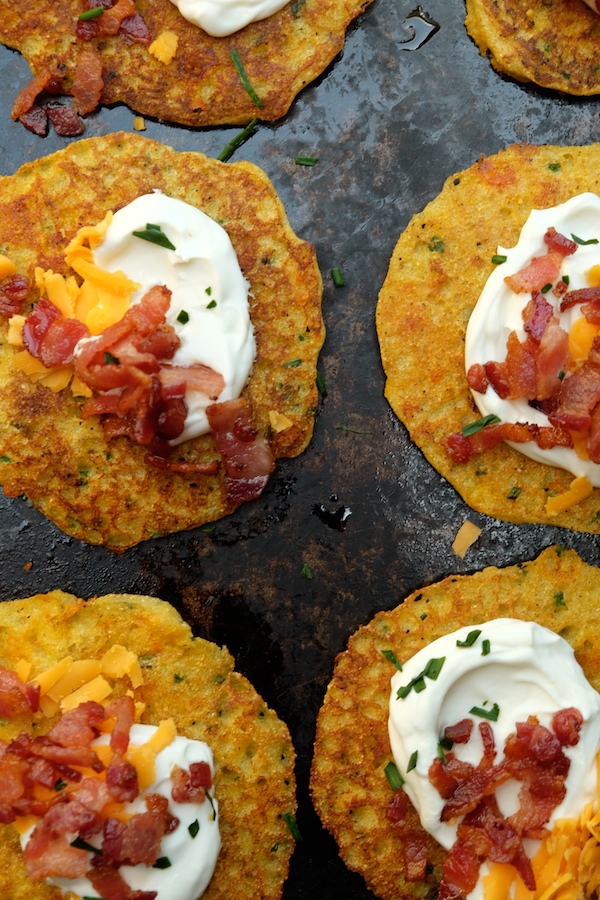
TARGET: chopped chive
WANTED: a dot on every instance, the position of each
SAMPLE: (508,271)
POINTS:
(498,259)
(80,844)
(478,424)
(228,150)
(306,160)
(212,805)
(321,386)
(163,862)
(581,241)
(566,279)
(560,375)
(291,824)
(446,743)
(513,493)
(441,754)
(60,785)
(307,571)
(491,714)
(434,667)
(183,317)
(423,616)
(110,360)
(546,288)
(293,364)
(208,290)
(154,235)
(559,599)
(212,304)
(470,638)
(431,670)
(351,430)
(419,685)
(395,779)
(88,14)
(86,897)
(4,459)
(436,245)
(554,167)
(391,656)
(485,647)
(412,763)
(239,67)
(194,828)
(210,526)
(338,278)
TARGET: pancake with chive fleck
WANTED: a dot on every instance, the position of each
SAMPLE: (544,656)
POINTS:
(191,681)
(348,783)
(437,271)
(200,86)
(554,45)
(105,493)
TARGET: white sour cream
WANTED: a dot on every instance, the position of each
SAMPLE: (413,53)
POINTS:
(222,17)
(528,671)
(203,269)
(498,312)
(592,5)
(193,860)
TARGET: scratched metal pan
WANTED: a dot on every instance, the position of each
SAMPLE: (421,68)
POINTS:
(361,511)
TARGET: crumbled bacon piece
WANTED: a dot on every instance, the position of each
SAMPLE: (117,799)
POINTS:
(414,846)
(191,787)
(398,808)
(88,84)
(35,119)
(15,696)
(477,378)
(246,453)
(583,295)
(78,727)
(26,98)
(542,270)
(558,243)
(65,120)
(134,30)
(51,337)
(110,884)
(460,732)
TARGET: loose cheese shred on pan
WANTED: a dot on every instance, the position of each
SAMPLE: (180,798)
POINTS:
(579,489)
(466,535)
(164,47)
(139,123)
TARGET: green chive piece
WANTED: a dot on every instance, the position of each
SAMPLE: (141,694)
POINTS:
(391,656)
(423,616)
(212,805)
(321,386)
(338,278)
(293,364)
(110,360)
(485,647)
(499,258)
(194,828)
(431,671)
(478,424)
(306,160)
(239,67)
(229,149)
(566,280)
(470,638)
(559,599)
(60,785)
(210,526)
(434,667)
(419,685)
(5,459)
(208,291)
(513,493)
(395,779)
(154,235)
(546,287)
(491,714)
(291,824)
(212,304)
(351,430)
(307,571)
(88,14)
(441,754)
(86,897)
(183,317)
(412,763)
(436,245)
(581,241)
(554,167)
(163,862)
(446,743)
(560,375)
(80,844)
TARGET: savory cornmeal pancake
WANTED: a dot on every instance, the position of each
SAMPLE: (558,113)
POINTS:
(349,786)
(103,492)
(554,45)
(436,274)
(200,86)
(191,681)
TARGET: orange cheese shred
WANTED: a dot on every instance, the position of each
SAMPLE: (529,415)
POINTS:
(580,488)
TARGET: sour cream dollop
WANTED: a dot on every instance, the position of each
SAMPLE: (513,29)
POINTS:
(529,670)
(498,312)
(207,284)
(592,5)
(222,17)
(193,860)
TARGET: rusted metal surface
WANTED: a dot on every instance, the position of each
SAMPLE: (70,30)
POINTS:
(388,127)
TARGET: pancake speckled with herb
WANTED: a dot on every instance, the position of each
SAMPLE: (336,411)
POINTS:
(348,782)
(105,493)
(553,44)
(437,271)
(193,682)
(200,86)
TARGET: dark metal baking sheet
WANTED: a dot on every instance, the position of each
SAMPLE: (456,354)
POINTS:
(388,126)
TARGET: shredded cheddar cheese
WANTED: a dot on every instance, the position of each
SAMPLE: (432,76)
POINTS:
(7,266)
(164,47)
(579,489)
(466,535)
(278,421)
(118,662)
(139,124)
(144,755)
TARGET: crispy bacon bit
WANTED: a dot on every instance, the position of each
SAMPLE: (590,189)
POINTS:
(534,756)
(558,243)
(65,120)
(134,30)
(35,119)
(459,733)
(477,378)
(15,696)
(415,855)
(583,295)
(109,23)
(579,394)
(25,99)
(398,808)
(88,85)
(246,453)
(540,271)
(109,883)
(78,727)
(49,336)
(191,787)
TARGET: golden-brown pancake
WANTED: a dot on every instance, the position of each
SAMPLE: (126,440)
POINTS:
(192,681)
(436,274)
(105,493)
(349,788)
(200,86)
(554,45)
